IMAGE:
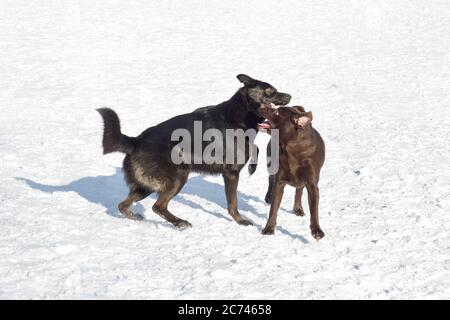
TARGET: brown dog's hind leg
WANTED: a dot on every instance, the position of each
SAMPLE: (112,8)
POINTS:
(298,208)
(313,200)
(231,180)
(136,194)
(160,206)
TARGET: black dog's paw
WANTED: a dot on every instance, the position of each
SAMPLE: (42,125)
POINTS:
(268,198)
(317,234)
(252,168)
(268,230)
(298,212)
(182,224)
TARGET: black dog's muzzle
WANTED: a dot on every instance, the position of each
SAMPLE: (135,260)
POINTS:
(282,99)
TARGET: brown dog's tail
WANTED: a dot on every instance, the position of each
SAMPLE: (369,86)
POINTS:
(113,139)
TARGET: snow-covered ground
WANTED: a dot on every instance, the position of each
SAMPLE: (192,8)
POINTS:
(375,74)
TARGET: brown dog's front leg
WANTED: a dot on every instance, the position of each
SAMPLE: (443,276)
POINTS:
(277,195)
(298,208)
(313,200)
(231,180)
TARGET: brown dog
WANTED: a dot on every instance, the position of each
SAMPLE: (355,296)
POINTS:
(301,156)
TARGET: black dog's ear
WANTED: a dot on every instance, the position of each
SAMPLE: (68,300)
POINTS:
(245,79)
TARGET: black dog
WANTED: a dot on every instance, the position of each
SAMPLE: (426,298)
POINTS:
(148,165)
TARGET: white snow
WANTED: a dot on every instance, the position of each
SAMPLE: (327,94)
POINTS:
(375,74)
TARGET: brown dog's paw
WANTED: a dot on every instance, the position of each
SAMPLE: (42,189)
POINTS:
(268,198)
(182,224)
(317,234)
(134,216)
(299,212)
(268,231)
(244,222)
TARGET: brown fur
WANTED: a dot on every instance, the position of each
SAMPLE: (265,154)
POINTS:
(301,154)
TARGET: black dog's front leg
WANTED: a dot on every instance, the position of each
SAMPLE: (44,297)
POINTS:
(269,193)
(268,197)
(253,163)
(231,180)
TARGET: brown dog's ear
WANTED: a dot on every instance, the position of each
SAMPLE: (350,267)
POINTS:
(299,108)
(245,79)
(304,119)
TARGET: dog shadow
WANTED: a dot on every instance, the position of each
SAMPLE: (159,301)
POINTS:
(104,190)
(109,191)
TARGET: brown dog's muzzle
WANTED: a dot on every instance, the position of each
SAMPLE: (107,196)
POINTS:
(265,111)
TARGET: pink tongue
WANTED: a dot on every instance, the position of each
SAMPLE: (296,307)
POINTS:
(264,125)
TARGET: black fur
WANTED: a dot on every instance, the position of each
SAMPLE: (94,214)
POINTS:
(148,166)
(113,139)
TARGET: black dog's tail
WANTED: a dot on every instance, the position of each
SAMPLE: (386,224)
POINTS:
(113,139)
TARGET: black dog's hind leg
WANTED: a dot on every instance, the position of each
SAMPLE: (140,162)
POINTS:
(160,206)
(231,180)
(136,194)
